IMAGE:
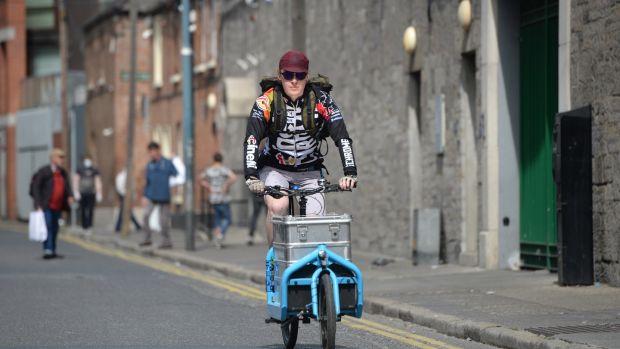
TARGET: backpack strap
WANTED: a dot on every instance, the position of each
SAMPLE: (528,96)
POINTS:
(278,107)
(307,114)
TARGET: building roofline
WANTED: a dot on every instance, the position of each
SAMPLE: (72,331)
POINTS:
(121,8)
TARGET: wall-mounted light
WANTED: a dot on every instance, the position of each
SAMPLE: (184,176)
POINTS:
(410,40)
(211,101)
(107,132)
(464,14)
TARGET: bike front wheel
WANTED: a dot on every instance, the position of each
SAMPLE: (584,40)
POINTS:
(289,332)
(327,313)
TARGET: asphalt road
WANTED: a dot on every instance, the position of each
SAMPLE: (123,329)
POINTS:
(101,298)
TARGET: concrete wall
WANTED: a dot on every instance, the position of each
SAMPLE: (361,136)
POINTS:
(595,80)
(32,149)
(358,44)
(508,134)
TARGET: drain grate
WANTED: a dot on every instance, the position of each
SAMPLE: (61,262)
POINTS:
(552,331)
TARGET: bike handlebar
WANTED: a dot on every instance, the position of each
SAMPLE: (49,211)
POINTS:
(278,192)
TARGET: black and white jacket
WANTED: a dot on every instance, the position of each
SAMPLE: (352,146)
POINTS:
(294,149)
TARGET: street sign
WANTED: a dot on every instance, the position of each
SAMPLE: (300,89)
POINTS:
(140,76)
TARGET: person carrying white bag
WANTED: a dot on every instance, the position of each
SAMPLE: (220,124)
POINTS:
(52,193)
(37,229)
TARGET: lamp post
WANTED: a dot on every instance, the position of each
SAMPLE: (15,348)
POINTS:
(188,127)
(129,183)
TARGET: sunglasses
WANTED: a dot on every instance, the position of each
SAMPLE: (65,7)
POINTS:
(289,75)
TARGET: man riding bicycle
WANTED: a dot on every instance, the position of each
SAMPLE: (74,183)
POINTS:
(294,114)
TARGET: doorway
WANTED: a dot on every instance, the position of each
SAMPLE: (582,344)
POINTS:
(538,102)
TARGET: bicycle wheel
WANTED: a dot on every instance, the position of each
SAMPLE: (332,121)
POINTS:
(327,313)
(289,332)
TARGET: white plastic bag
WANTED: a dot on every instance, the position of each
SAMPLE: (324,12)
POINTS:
(37,229)
(154,220)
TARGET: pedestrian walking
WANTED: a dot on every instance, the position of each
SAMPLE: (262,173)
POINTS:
(121,189)
(258,205)
(157,194)
(217,180)
(88,191)
(52,193)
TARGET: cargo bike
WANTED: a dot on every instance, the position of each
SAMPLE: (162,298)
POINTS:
(308,270)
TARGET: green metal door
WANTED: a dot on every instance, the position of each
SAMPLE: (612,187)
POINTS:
(539,100)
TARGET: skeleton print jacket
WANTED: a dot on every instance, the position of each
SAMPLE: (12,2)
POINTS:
(294,148)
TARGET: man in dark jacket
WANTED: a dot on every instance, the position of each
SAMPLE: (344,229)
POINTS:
(292,116)
(157,193)
(52,193)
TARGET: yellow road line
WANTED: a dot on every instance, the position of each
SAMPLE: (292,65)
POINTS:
(415,340)
(381,327)
(239,289)
(391,335)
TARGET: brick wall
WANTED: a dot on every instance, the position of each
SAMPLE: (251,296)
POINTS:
(167,101)
(595,80)
(12,72)
(107,58)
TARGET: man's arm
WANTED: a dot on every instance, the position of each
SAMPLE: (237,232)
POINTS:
(36,189)
(232,177)
(205,184)
(255,132)
(338,132)
(68,189)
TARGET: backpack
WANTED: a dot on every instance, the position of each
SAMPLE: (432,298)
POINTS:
(87,181)
(277,110)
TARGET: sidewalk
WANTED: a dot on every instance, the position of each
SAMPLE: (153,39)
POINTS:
(493,307)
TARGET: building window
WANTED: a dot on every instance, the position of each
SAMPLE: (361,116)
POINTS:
(158,54)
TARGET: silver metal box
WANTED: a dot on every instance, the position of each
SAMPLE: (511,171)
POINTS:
(295,237)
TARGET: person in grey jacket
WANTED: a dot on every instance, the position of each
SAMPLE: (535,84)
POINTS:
(157,194)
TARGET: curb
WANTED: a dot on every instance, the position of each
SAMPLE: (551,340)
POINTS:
(482,332)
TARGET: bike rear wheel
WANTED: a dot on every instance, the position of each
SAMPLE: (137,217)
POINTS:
(289,332)
(327,313)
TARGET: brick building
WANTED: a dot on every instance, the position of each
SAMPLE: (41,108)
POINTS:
(12,72)
(159,93)
(30,89)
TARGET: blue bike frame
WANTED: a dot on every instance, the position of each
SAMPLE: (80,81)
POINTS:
(277,293)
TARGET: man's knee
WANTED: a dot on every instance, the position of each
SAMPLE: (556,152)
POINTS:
(278,207)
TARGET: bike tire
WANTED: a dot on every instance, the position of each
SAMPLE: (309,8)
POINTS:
(327,313)
(289,333)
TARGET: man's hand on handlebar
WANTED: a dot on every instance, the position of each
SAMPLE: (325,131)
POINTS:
(348,182)
(255,185)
